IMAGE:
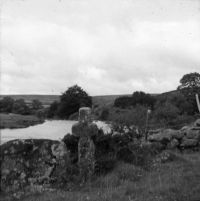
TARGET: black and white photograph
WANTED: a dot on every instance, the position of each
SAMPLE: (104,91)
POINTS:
(100,100)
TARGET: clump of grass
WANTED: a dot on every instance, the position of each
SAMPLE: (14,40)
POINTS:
(176,180)
(129,172)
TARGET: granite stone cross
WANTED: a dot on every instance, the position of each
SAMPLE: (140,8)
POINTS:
(85,129)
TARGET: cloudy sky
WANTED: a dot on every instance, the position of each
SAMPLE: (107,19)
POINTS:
(105,46)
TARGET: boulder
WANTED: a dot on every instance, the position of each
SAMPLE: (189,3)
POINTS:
(177,134)
(197,123)
(188,143)
(29,162)
(154,131)
(184,128)
(59,150)
(193,134)
(173,144)
(164,136)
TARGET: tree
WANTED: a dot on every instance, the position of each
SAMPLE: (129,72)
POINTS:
(123,102)
(20,107)
(141,98)
(6,104)
(190,81)
(138,98)
(36,105)
(52,110)
(71,100)
(190,85)
(104,114)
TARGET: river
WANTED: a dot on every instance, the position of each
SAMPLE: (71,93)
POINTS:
(54,130)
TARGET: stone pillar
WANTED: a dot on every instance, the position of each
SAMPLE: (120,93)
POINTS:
(85,129)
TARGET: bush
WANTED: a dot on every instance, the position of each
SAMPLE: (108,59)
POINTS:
(138,98)
(52,110)
(142,98)
(177,99)
(123,102)
(166,112)
(135,116)
(71,143)
(104,114)
(6,104)
(20,107)
(41,113)
(36,105)
(109,149)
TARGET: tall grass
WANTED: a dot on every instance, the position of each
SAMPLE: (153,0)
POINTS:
(177,180)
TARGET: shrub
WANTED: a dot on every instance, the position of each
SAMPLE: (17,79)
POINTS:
(41,113)
(135,116)
(6,104)
(166,112)
(138,98)
(104,114)
(20,107)
(142,98)
(71,143)
(36,105)
(52,110)
(123,102)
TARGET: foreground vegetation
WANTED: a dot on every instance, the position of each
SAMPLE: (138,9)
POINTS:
(174,178)
(18,121)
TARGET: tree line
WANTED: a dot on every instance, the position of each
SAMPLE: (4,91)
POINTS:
(182,99)
(19,106)
(172,108)
(167,107)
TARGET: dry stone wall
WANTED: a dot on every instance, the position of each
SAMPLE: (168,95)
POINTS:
(186,138)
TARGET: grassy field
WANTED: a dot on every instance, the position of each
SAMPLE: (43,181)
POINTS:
(18,121)
(175,180)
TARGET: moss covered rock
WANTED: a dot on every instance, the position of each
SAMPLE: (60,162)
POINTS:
(30,162)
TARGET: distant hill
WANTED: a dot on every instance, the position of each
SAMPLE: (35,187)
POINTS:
(104,100)
(46,100)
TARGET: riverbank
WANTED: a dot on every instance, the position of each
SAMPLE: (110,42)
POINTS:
(18,121)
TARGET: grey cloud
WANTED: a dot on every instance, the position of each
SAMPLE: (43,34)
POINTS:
(108,47)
